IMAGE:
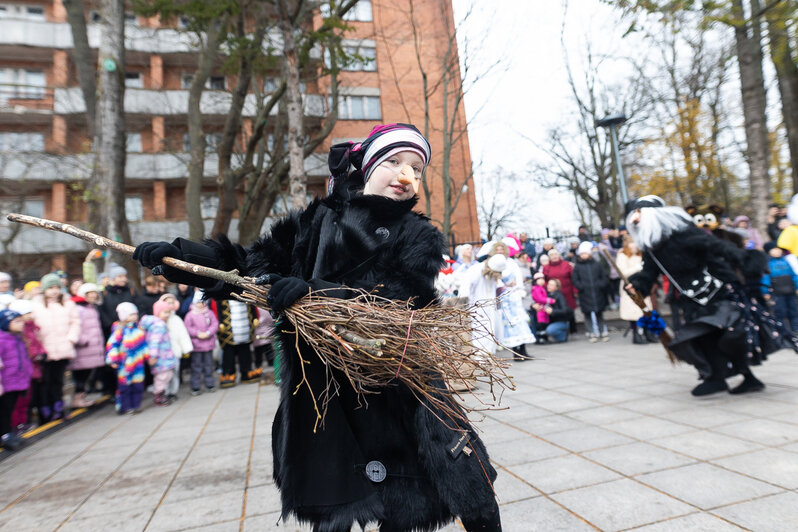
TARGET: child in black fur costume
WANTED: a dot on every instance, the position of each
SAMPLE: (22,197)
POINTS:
(385,457)
(726,331)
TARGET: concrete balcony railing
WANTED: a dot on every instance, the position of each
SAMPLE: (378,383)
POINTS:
(175,102)
(34,241)
(42,34)
(43,167)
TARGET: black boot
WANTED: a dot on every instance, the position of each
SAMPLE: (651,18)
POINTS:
(637,338)
(651,337)
(709,387)
(749,384)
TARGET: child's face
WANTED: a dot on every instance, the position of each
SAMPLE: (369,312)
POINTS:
(16,325)
(199,306)
(92,297)
(164,314)
(397,177)
(775,253)
(173,302)
(584,256)
(552,286)
(540,281)
(52,292)
(133,318)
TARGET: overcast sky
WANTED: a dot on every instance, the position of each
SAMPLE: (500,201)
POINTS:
(528,95)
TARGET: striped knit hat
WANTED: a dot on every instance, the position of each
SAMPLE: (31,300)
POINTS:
(382,142)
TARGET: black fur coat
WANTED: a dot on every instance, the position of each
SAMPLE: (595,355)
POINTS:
(365,242)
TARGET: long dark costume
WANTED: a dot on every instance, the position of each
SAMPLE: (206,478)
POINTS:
(726,331)
(371,242)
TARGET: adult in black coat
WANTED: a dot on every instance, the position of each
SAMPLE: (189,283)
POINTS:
(591,280)
(384,457)
(724,329)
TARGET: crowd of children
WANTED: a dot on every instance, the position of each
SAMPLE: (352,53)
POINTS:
(104,339)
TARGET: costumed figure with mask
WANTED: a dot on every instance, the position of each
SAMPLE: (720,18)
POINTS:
(726,332)
(392,461)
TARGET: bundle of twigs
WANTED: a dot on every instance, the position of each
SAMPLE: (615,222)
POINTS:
(369,341)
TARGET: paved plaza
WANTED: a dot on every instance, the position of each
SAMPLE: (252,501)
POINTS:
(596,437)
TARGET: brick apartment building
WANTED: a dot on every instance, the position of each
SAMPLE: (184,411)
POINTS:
(43,133)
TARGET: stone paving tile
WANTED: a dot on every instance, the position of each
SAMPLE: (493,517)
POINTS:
(509,488)
(539,514)
(587,438)
(33,516)
(764,431)
(524,450)
(603,415)
(197,512)
(226,526)
(263,500)
(702,416)
(648,428)
(696,522)
(636,458)
(541,426)
(562,473)
(621,504)
(757,406)
(706,445)
(193,484)
(777,513)
(776,466)
(707,486)
(131,520)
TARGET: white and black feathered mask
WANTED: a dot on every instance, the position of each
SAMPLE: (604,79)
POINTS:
(657,220)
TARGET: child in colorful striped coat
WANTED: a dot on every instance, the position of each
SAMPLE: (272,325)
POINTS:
(163,362)
(126,352)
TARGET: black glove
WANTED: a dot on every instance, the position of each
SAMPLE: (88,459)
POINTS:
(285,291)
(151,255)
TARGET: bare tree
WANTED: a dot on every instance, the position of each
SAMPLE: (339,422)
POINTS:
(106,186)
(446,74)
(498,210)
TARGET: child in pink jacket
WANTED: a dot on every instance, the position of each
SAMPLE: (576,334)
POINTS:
(541,300)
(202,325)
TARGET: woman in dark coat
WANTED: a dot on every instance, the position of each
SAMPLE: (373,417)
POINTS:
(384,457)
(591,280)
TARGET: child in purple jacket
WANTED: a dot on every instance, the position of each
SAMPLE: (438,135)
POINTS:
(202,325)
(15,373)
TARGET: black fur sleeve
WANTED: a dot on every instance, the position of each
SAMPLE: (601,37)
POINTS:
(645,278)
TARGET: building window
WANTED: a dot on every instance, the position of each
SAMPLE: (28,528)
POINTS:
(134,209)
(217,83)
(27,12)
(133,80)
(14,141)
(21,83)
(359,108)
(208,206)
(360,58)
(133,142)
(360,12)
(212,141)
(94,16)
(131,18)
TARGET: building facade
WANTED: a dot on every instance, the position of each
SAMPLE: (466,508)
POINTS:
(44,143)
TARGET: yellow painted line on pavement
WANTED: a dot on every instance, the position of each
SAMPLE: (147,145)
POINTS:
(42,428)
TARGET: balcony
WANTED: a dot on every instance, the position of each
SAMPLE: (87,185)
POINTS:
(175,102)
(34,241)
(43,167)
(41,34)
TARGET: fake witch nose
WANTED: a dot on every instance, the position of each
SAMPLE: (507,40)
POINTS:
(407,176)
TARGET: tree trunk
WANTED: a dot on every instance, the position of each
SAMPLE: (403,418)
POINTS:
(297,183)
(83,58)
(106,201)
(787,74)
(749,58)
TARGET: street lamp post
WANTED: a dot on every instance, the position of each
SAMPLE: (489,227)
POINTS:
(612,122)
